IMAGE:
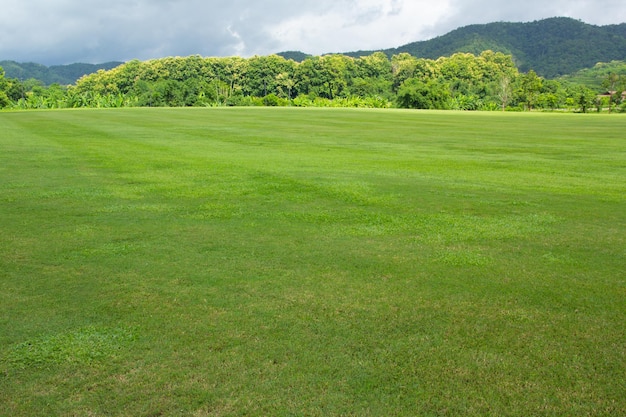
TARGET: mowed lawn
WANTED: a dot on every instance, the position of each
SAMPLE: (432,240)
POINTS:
(312,262)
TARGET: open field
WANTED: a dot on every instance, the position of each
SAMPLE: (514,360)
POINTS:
(312,262)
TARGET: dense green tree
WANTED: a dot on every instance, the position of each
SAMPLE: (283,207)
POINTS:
(376,65)
(335,73)
(586,98)
(530,85)
(462,68)
(4,87)
(16,90)
(228,75)
(614,84)
(417,94)
(168,93)
(551,95)
(327,76)
(285,83)
(504,91)
(261,76)
(463,81)
(144,93)
(403,67)
(372,76)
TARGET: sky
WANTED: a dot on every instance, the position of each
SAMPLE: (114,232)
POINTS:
(55,32)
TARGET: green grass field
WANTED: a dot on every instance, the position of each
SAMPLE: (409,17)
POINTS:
(312,262)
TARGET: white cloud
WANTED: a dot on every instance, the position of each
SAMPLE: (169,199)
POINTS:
(64,31)
(370,25)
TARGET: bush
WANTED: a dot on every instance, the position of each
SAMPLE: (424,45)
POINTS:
(417,94)
(273,100)
(4,100)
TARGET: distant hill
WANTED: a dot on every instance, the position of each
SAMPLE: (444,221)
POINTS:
(596,76)
(295,55)
(61,74)
(552,47)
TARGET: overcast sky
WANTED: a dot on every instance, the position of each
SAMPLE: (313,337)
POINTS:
(66,31)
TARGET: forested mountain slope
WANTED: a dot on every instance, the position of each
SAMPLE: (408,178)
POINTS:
(552,47)
(61,74)
(599,76)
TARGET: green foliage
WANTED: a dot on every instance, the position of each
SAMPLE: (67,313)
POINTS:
(530,86)
(4,99)
(266,75)
(584,98)
(327,76)
(4,86)
(417,94)
(272,100)
(373,102)
(462,81)
(597,76)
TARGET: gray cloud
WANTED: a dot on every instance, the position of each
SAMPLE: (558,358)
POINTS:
(485,11)
(66,31)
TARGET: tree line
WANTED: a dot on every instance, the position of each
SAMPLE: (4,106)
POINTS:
(462,81)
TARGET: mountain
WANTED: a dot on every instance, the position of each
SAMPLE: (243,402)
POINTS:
(61,74)
(552,47)
(295,55)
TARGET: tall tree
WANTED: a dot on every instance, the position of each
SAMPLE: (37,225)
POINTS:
(615,85)
(285,83)
(4,86)
(530,87)
(260,77)
(504,92)
(335,73)
(372,76)
(585,98)
(403,67)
